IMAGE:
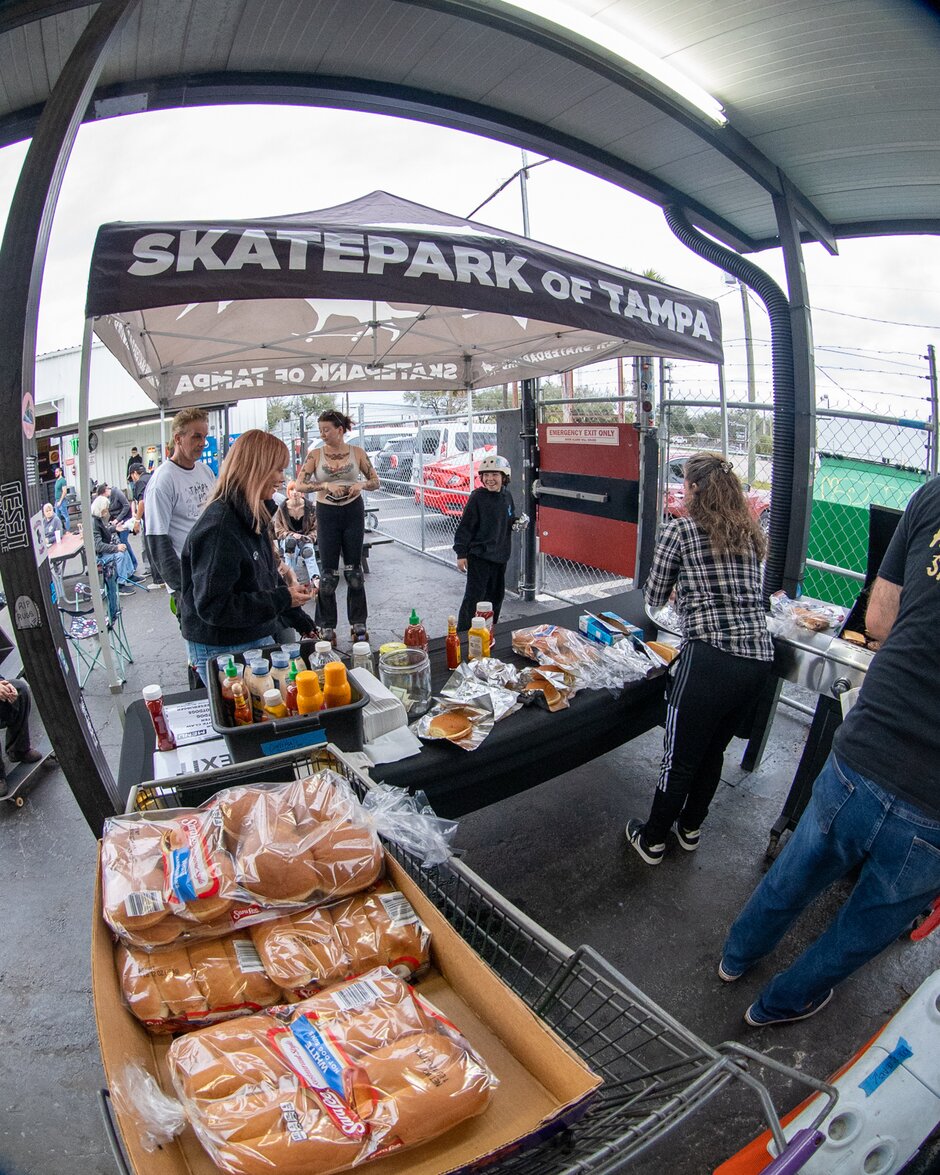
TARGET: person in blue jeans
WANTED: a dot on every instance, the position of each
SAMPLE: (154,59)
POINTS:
(875,805)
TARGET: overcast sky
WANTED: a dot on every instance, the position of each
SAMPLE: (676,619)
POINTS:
(261,161)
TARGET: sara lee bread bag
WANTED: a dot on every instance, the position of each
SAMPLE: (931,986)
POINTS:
(247,854)
(178,988)
(348,1075)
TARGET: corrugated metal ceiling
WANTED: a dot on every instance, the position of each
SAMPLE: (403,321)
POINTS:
(838,95)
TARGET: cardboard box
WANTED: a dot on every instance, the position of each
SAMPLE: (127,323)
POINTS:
(544,1085)
(596,630)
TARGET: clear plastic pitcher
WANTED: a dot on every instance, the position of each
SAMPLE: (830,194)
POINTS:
(407,673)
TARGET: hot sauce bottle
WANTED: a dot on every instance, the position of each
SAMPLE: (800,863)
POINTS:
(153,696)
(452,643)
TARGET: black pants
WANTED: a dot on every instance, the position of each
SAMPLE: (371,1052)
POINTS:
(485,581)
(341,530)
(711,692)
(14,717)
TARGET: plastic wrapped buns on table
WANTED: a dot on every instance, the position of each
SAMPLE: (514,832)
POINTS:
(654,1074)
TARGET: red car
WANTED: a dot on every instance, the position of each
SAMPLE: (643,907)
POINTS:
(757,500)
(447,483)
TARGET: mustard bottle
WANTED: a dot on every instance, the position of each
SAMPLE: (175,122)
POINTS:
(309,695)
(336,688)
(273,705)
(478,639)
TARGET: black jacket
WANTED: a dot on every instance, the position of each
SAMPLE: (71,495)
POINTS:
(485,527)
(231,591)
(119,509)
(105,541)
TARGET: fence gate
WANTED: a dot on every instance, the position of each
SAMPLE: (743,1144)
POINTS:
(589,495)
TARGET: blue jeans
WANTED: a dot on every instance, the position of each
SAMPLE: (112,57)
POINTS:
(850,821)
(123,562)
(199,654)
(63,512)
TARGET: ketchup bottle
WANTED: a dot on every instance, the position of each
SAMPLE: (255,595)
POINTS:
(153,696)
(452,643)
(416,636)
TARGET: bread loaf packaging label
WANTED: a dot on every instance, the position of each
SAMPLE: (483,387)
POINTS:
(349,1075)
(249,854)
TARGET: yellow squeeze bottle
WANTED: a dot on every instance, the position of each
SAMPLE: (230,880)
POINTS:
(478,639)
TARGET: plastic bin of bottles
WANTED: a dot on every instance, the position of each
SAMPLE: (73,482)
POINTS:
(341,725)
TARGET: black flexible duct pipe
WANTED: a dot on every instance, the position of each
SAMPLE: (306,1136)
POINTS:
(784,386)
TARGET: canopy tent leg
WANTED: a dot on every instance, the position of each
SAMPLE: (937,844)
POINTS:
(529,475)
(22,259)
(91,559)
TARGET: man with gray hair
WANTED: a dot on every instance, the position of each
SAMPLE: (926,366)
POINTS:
(177,493)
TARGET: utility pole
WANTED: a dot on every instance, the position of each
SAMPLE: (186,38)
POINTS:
(751,385)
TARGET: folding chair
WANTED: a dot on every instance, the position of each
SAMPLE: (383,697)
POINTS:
(82,628)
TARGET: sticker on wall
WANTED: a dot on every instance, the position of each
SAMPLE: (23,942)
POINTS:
(26,614)
(14,527)
(37,526)
(28,416)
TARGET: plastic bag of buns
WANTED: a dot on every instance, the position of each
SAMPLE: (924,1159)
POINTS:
(246,855)
(315,948)
(319,1086)
(177,989)
(586,664)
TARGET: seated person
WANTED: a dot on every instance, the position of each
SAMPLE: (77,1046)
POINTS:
(107,548)
(15,705)
(296,516)
(51,524)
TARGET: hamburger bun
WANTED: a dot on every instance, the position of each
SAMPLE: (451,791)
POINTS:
(667,652)
(854,638)
(452,724)
(539,684)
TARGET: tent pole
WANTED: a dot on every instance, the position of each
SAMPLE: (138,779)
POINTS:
(529,474)
(84,481)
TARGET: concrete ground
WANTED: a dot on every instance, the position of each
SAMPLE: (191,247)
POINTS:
(557,851)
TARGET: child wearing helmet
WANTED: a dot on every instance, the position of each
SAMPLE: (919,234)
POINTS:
(483,539)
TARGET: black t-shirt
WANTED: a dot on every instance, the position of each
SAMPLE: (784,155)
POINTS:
(892,733)
(139,487)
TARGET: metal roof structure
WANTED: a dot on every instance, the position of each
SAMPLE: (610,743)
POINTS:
(833,102)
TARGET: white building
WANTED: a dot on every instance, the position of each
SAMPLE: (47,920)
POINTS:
(120,414)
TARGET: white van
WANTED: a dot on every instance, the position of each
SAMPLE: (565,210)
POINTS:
(449,438)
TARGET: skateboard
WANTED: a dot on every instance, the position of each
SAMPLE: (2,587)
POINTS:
(23,777)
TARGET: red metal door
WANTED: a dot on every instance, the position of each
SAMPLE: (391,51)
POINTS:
(601,462)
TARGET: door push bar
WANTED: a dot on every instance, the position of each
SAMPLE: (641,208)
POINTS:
(579,495)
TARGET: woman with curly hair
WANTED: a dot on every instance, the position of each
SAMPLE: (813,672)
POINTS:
(711,559)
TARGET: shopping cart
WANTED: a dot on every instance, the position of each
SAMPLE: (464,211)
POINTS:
(656,1073)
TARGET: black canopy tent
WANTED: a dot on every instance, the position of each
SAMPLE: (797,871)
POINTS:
(379,293)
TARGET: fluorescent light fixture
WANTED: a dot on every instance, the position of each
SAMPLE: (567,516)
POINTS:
(605,37)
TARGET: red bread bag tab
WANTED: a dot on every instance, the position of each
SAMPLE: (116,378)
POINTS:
(353,1073)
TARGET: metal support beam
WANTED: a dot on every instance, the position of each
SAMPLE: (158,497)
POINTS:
(22,258)
(530,473)
(804,393)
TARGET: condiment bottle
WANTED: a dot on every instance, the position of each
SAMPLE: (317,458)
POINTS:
(336,690)
(257,680)
(273,705)
(223,668)
(416,636)
(290,697)
(242,707)
(233,673)
(280,668)
(153,696)
(309,696)
(362,656)
(485,609)
(322,654)
(478,639)
(452,643)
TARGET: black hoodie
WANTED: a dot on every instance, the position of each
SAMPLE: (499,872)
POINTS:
(485,527)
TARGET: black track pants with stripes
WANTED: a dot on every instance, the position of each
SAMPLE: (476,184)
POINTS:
(711,693)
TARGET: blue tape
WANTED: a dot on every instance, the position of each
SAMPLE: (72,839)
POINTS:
(309,739)
(879,1075)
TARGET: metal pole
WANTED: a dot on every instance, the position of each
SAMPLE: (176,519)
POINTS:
(524,190)
(22,259)
(84,479)
(723,408)
(934,422)
(751,384)
(162,433)
(529,475)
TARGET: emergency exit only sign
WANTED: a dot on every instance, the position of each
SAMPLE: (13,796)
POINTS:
(582,434)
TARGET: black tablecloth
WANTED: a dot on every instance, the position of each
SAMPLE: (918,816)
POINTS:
(523,750)
(531,745)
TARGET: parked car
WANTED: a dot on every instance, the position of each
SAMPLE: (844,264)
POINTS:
(395,462)
(447,483)
(758,500)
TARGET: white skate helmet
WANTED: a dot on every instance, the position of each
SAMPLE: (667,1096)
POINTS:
(493,463)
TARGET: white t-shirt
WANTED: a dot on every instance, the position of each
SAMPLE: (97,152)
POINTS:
(175,499)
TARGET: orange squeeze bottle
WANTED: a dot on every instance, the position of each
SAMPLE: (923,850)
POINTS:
(336,690)
(309,695)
